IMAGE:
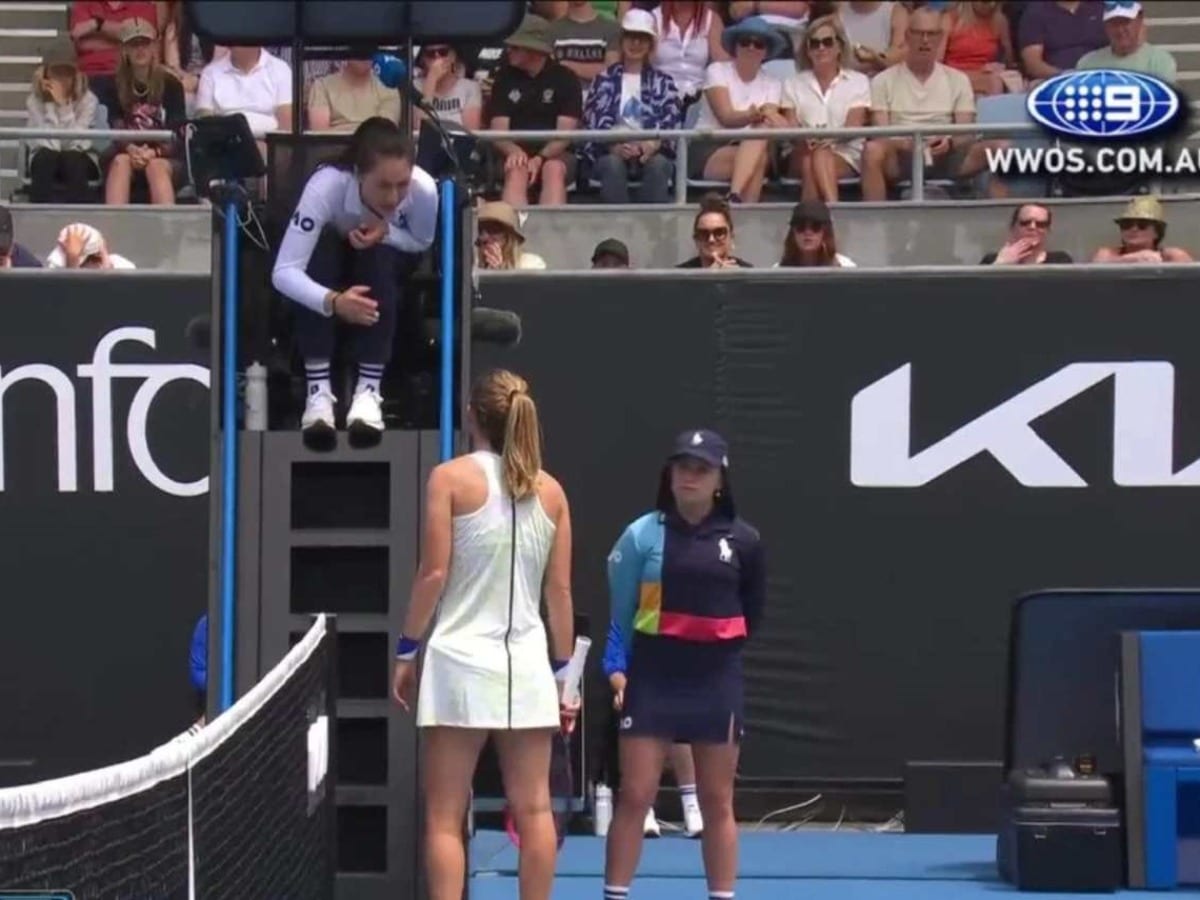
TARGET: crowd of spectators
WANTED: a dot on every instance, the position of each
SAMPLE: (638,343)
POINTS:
(753,66)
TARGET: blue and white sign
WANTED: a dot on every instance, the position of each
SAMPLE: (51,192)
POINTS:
(1104,104)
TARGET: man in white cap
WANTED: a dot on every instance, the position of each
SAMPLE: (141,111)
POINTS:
(1128,48)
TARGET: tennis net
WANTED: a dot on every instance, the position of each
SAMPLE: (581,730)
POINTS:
(242,809)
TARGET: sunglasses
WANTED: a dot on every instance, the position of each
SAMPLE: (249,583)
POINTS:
(1034,223)
(808,225)
(827,42)
(711,234)
(753,43)
(1126,224)
(436,52)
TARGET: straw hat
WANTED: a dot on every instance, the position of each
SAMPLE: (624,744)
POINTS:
(1144,207)
(501,213)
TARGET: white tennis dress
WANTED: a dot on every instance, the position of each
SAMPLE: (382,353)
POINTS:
(487,663)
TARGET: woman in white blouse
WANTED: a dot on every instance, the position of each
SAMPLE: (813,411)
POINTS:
(689,38)
(826,93)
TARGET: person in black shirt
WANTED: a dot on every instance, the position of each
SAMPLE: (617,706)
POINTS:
(713,234)
(12,254)
(532,92)
(1026,244)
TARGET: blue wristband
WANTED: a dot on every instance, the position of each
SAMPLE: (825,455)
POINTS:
(407,648)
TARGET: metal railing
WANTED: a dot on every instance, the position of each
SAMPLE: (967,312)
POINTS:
(680,138)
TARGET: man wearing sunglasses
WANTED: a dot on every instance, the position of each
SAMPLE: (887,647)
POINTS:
(1026,244)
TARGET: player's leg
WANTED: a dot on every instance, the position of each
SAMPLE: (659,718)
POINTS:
(524,757)
(448,760)
(716,768)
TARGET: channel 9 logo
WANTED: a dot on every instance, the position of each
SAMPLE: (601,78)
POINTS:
(1104,104)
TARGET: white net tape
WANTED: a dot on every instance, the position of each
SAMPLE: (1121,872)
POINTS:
(27,804)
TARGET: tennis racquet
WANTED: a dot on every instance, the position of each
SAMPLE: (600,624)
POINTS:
(562,777)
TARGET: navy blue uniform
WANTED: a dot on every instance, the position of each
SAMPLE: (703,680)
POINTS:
(684,599)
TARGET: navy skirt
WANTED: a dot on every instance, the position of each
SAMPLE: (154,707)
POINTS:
(690,694)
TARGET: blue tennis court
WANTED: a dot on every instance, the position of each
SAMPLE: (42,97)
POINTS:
(814,865)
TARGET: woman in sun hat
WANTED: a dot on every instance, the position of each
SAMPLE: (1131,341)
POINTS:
(1143,226)
(688,586)
(739,94)
(499,239)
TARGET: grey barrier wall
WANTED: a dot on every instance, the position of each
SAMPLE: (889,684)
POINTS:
(918,449)
(104,465)
(165,238)
(932,233)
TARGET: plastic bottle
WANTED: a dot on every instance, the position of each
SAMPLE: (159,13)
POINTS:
(602,809)
(256,397)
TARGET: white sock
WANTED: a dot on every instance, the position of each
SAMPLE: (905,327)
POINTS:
(613,892)
(687,796)
(720,895)
(317,373)
(369,376)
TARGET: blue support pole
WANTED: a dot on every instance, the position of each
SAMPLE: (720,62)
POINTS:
(229,443)
(449,211)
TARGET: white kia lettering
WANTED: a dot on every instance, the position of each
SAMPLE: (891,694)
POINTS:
(102,370)
(1143,431)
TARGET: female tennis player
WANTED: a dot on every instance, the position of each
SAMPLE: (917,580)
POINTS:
(359,227)
(688,585)
(497,535)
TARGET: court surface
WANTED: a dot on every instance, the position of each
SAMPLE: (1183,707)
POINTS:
(808,865)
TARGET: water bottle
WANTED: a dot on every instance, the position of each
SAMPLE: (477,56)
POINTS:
(256,397)
(602,809)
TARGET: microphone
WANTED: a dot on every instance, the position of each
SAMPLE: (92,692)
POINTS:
(392,72)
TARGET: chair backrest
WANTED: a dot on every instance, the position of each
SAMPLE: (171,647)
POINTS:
(1170,664)
(783,69)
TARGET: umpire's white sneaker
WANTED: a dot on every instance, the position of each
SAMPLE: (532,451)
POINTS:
(318,414)
(651,828)
(365,418)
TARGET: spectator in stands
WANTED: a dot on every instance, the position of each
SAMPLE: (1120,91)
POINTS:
(1054,34)
(443,82)
(633,94)
(739,94)
(198,672)
(144,97)
(533,92)
(250,81)
(60,169)
(712,231)
(183,53)
(358,229)
(976,40)
(499,243)
(610,254)
(1143,227)
(689,38)
(550,10)
(787,13)
(81,246)
(875,29)
(826,93)
(347,98)
(584,41)
(922,91)
(313,68)
(96,31)
(12,254)
(810,240)
(1026,245)
(1127,47)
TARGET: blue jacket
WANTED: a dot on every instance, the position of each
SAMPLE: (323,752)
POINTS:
(660,105)
(672,582)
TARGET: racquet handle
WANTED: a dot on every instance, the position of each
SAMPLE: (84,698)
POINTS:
(573,674)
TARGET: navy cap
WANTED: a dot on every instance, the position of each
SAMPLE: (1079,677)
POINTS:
(704,445)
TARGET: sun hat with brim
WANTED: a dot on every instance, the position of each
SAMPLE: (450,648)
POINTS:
(533,34)
(500,213)
(1144,208)
(639,21)
(59,52)
(138,29)
(757,27)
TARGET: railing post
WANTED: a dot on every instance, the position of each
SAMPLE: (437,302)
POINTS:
(918,167)
(681,170)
